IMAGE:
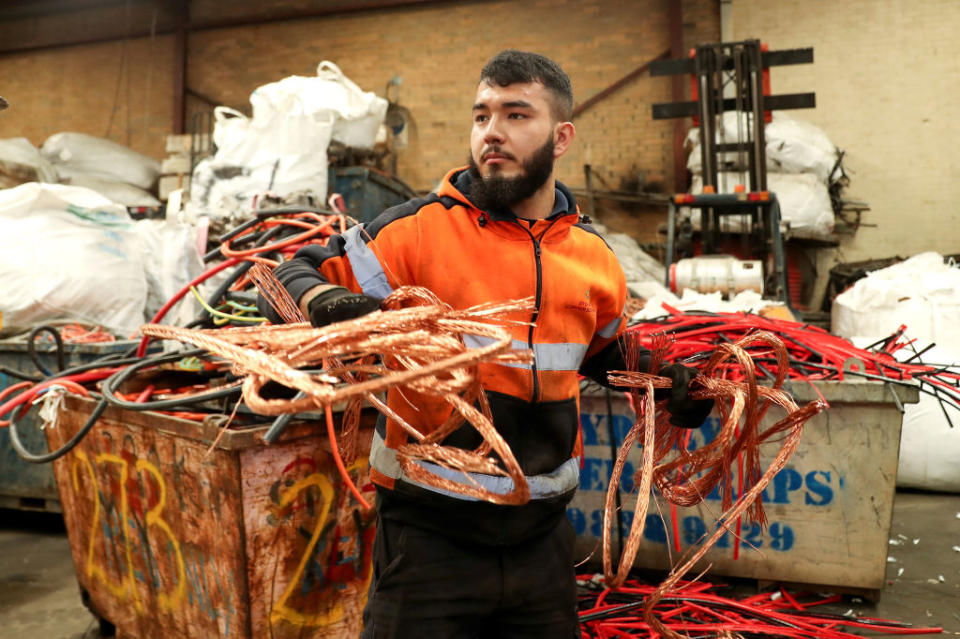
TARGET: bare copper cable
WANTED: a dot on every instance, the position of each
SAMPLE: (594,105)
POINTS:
(276,295)
(685,476)
(279,298)
(421,348)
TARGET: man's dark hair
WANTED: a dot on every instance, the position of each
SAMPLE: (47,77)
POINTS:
(512,66)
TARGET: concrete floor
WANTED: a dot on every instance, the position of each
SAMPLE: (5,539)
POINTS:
(39,595)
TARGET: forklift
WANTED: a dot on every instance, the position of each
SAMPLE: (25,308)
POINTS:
(730,78)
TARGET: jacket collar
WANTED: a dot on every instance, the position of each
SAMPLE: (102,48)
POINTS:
(456,184)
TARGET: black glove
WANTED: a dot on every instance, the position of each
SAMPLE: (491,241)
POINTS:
(684,411)
(338,304)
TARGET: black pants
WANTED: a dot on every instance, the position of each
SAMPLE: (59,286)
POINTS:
(427,585)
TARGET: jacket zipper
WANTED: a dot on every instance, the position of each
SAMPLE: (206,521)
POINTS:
(537,302)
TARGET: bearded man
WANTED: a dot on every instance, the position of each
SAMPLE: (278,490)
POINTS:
(502,228)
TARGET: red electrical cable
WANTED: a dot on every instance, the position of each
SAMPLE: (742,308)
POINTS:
(694,608)
(335,450)
(145,394)
(142,349)
(70,382)
(313,231)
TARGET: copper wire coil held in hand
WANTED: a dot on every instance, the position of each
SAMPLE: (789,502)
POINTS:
(417,344)
(685,477)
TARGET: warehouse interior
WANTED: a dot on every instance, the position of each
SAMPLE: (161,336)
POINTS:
(776,181)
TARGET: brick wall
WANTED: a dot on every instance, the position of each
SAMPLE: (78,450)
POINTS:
(438,50)
(120,90)
(886,78)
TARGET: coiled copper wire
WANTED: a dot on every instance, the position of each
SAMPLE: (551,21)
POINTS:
(684,477)
(420,346)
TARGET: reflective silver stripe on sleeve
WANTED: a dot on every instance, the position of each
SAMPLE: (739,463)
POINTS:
(562,480)
(549,357)
(382,458)
(366,267)
(610,329)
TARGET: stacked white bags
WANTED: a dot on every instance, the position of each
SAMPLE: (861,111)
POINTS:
(21,162)
(283,147)
(116,172)
(801,165)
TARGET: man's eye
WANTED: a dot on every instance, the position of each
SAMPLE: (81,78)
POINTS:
(518,116)
(479,118)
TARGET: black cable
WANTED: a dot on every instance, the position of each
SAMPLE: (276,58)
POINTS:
(900,382)
(262,237)
(917,353)
(19,374)
(27,456)
(103,362)
(110,385)
(221,290)
(280,423)
(264,214)
(32,348)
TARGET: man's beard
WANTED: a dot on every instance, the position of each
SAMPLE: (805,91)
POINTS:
(497,192)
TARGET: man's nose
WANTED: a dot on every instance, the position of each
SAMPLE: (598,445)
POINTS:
(494,131)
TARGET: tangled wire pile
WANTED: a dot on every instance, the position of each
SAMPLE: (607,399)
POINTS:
(683,476)
(191,387)
(416,344)
(812,353)
(422,349)
(699,608)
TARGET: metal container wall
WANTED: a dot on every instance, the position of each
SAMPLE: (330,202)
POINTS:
(829,509)
(177,534)
(367,192)
(31,486)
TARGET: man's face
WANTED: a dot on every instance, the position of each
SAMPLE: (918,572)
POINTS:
(510,125)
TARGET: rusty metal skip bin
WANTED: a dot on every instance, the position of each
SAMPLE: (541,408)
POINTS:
(174,535)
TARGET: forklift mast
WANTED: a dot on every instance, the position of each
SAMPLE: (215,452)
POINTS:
(734,77)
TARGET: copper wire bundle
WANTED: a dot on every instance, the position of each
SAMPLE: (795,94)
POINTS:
(278,297)
(420,345)
(684,477)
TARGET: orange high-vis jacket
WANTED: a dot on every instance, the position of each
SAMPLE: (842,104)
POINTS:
(467,256)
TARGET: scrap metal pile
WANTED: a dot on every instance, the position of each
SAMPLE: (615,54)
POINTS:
(188,384)
(812,353)
(415,345)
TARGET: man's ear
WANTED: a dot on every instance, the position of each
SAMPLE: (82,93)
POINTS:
(563,133)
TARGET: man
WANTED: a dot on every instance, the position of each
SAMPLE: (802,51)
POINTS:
(502,228)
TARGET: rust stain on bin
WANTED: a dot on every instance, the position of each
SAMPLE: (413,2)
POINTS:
(246,541)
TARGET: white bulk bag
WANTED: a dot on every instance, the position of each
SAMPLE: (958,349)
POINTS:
(792,146)
(79,154)
(922,293)
(281,149)
(171,259)
(68,253)
(805,206)
(21,162)
(117,192)
(929,443)
(357,114)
